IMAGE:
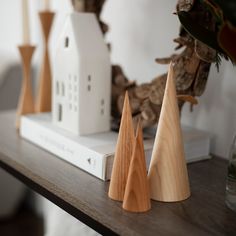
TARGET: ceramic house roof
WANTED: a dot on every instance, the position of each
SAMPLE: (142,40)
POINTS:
(88,36)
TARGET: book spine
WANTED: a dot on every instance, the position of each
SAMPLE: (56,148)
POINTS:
(68,150)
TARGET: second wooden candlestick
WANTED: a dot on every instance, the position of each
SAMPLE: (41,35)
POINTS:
(44,96)
(26,101)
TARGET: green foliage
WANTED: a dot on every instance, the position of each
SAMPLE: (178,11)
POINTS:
(228,8)
(198,31)
(224,14)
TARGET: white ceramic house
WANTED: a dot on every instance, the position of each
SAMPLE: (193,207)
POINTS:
(82,77)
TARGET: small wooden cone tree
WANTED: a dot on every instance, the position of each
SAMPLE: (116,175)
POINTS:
(137,196)
(43,101)
(123,154)
(168,176)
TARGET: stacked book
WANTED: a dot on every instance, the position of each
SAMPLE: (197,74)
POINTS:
(95,153)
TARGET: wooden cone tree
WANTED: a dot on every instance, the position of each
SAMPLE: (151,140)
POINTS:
(168,176)
(123,154)
(137,196)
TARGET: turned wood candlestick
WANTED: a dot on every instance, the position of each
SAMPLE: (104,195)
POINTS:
(26,101)
(44,96)
(137,196)
(123,154)
(168,175)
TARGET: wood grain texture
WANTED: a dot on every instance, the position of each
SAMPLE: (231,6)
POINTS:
(123,154)
(26,100)
(168,176)
(44,96)
(137,195)
(85,197)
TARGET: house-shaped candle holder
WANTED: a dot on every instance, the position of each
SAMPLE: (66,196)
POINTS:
(82,77)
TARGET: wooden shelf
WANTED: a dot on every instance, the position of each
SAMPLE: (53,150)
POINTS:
(85,197)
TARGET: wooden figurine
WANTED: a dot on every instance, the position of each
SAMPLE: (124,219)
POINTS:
(137,196)
(26,101)
(123,154)
(168,176)
(44,96)
(82,78)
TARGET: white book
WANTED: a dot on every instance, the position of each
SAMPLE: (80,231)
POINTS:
(95,153)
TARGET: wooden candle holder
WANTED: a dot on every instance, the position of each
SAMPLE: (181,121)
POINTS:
(168,175)
(123,154)
(137,196)
(44,96)
(26,101)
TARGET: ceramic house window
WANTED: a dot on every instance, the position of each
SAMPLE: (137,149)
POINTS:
(67,42)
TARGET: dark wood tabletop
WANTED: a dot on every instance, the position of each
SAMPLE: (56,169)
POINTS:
(85,197)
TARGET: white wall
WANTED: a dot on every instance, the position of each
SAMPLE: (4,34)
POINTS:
(216,112)
(140,31)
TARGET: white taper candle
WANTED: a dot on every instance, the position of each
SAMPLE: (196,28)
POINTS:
(25,21)
(46,5)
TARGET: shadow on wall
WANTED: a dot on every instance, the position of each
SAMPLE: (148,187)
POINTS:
(10,87)
(216,112)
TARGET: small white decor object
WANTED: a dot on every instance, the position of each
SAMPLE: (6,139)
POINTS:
(82,77)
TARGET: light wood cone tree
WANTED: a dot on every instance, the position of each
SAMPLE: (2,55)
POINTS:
(123,154)
(44,96)
(137,195)
(26,100)
(168,176)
